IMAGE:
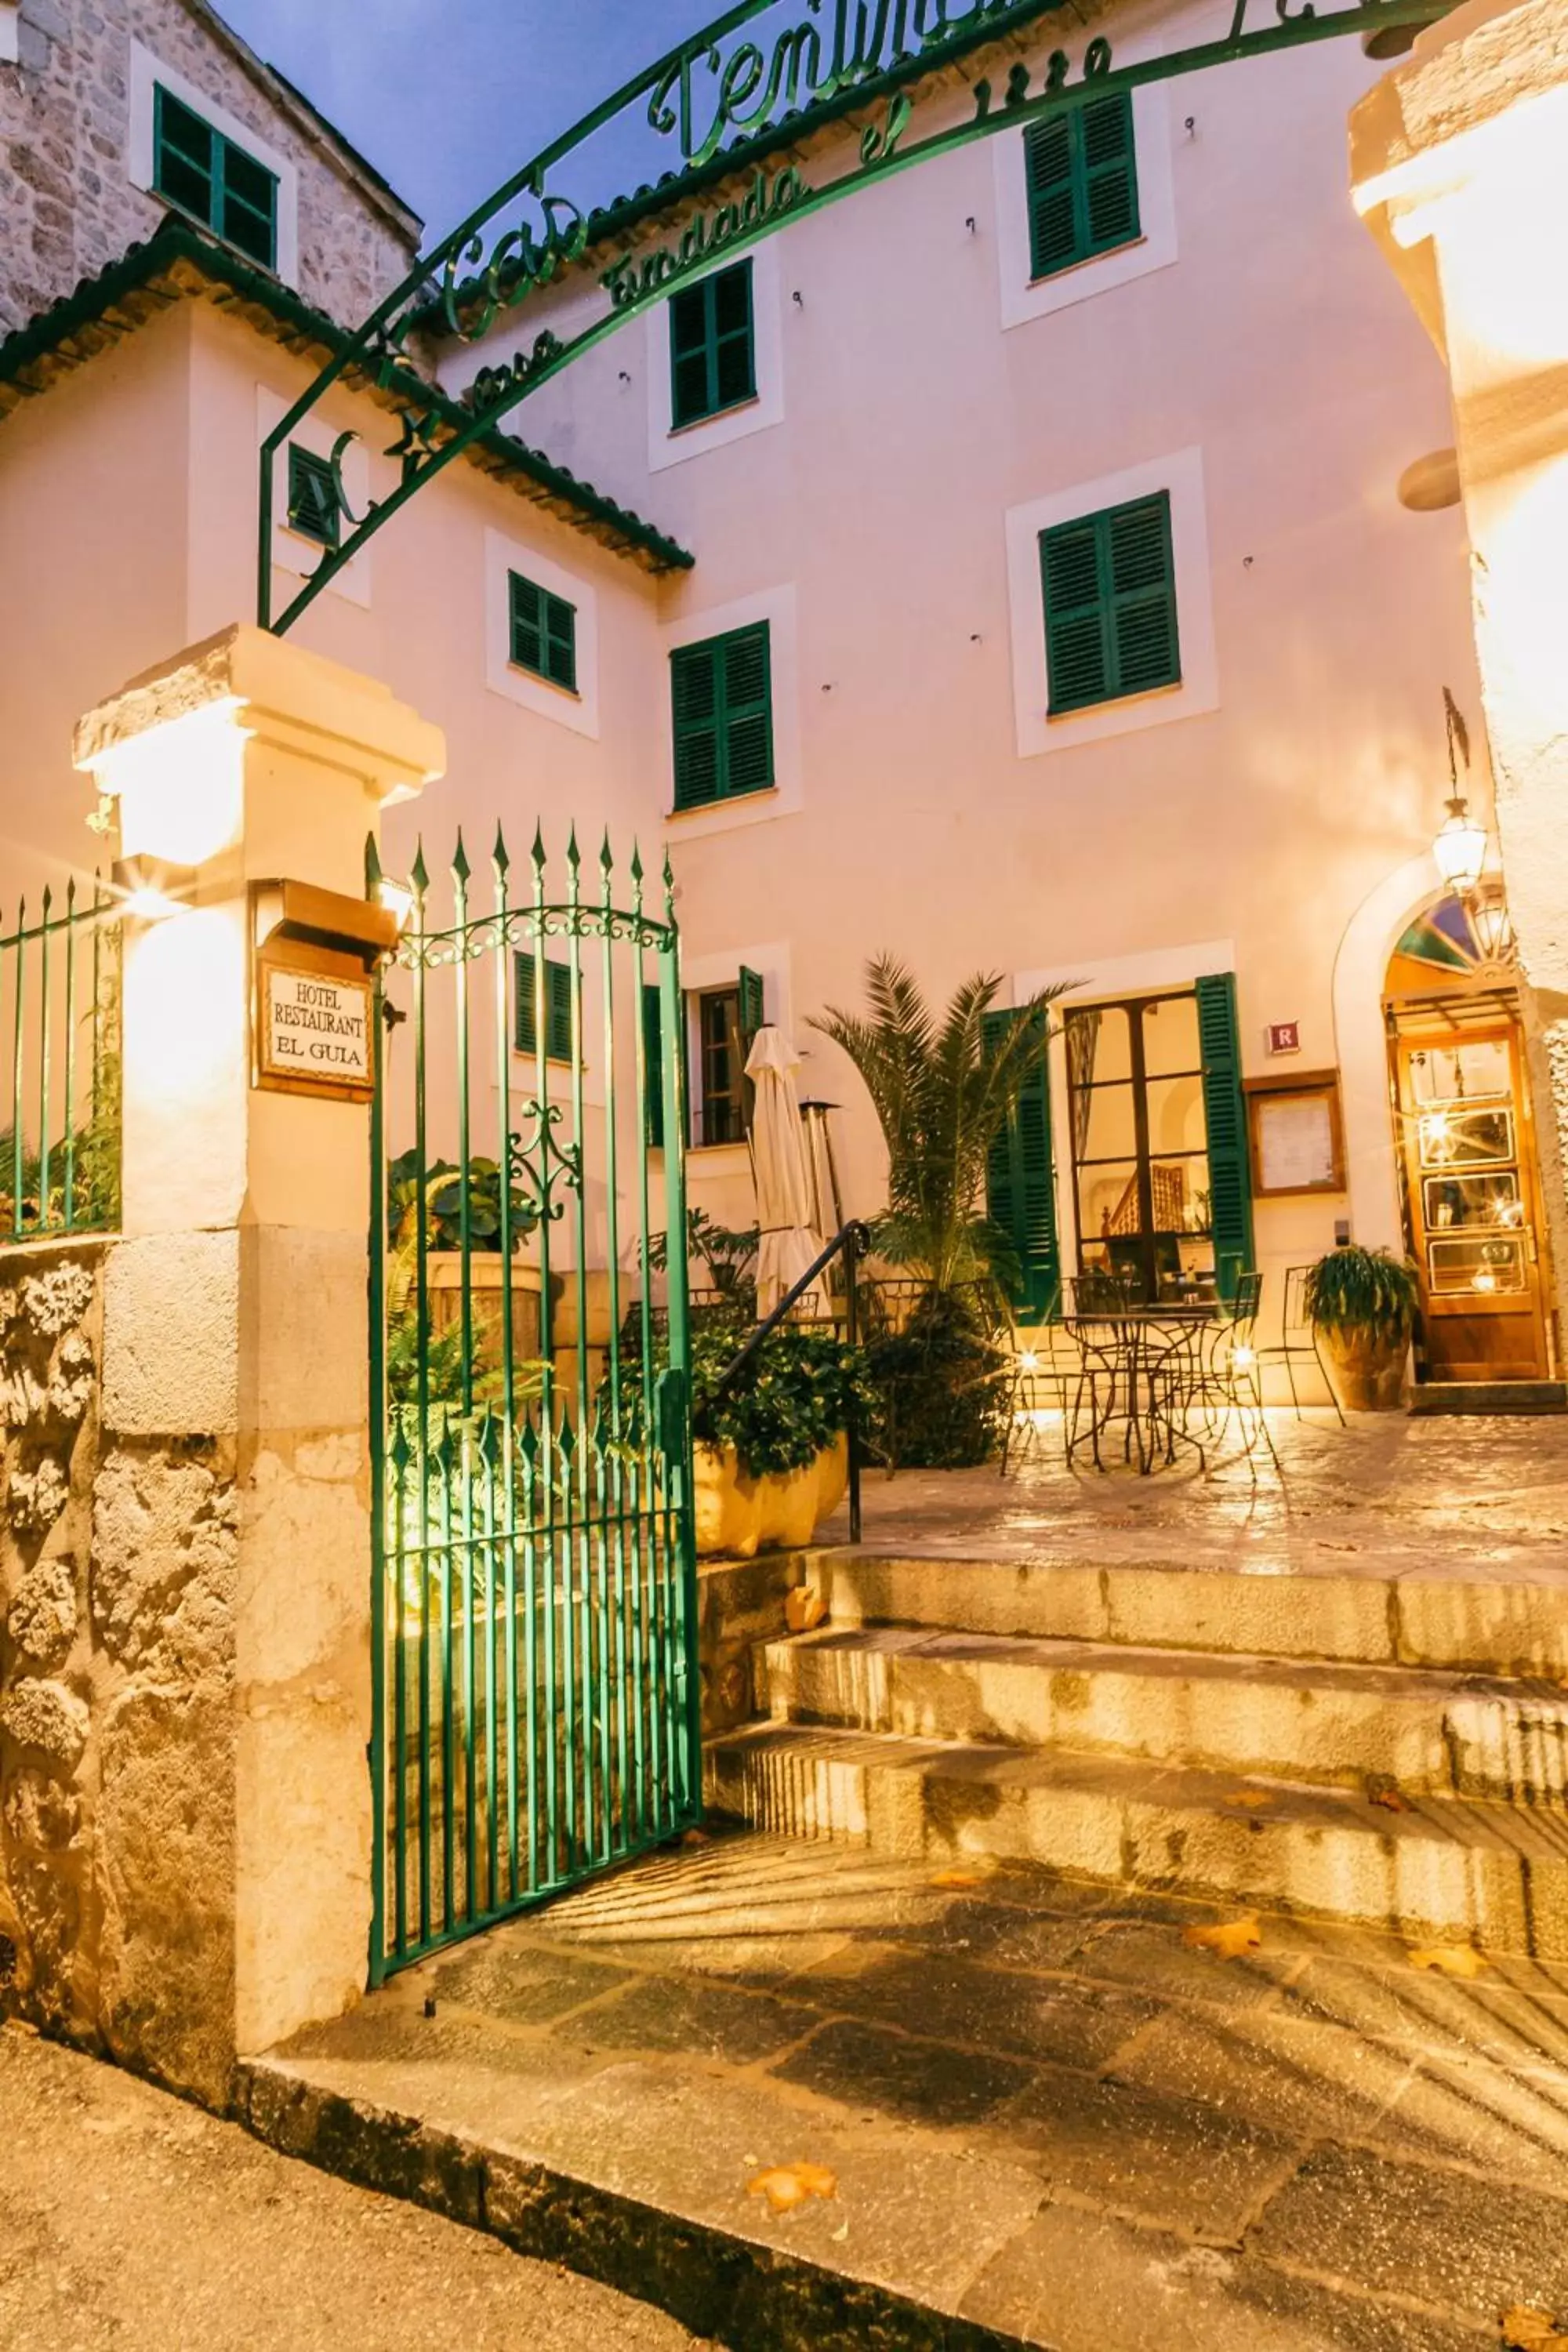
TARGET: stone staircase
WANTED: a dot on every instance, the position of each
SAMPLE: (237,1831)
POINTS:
(1384,1749)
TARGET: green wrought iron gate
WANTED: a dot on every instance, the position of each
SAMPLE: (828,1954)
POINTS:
(536,1696)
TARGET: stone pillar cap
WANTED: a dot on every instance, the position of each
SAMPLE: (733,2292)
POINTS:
(278,692)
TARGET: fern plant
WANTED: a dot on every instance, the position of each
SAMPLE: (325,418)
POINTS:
(1357,1290)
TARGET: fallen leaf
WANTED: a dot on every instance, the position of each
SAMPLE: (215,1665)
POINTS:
(1525,2330)
(695,1837)
(788,2186)
(804,1608)
(1391,1801)
(1249,1800)
(1229,1940)
(1449,1960)
(958,1881)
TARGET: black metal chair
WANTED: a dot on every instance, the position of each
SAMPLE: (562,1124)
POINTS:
(1043,1368)
(1297,1343)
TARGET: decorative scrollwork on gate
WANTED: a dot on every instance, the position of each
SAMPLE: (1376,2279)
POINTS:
(542,1163)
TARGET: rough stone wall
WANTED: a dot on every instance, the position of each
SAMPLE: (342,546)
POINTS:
(118,1563)
(66,203)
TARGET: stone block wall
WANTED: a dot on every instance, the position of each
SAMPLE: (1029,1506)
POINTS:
(117,1562)
(742,1603)
(67,203)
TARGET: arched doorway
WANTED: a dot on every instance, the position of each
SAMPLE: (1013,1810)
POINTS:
(1465,1149)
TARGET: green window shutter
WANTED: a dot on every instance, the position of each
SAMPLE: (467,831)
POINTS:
(1048,166)
(558,1012)
(694,690)
(543,633)
(1141,568)
(1020,1186)
(313,506)
(722,696)
(753,1006)
(525,1032)
(249,204)
(1109,582)
(1081,169)
(1077,655)
(1110,168)
(1225,1107)
(653,1062)
(217,182)
(557,1007)
(184,160)
(712,346)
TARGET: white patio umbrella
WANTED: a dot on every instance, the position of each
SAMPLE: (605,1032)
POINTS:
(788,1245)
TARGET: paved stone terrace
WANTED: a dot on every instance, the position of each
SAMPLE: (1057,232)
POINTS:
(1049,2120)
(1388,1495)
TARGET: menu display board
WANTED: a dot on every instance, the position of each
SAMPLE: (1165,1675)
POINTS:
(1298,1138)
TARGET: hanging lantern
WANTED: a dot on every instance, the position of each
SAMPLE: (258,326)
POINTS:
(1460,848)
(1487,908)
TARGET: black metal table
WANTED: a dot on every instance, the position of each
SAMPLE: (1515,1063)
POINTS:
(1142,1369)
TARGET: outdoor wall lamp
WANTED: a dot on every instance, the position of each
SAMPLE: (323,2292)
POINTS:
(397,899)
(1460,848)
(152,889)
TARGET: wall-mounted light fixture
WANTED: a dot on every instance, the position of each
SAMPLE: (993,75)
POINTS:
(396,900)
(151,889)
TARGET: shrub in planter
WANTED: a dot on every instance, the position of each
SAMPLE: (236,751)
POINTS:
(770,1453)
(1361,1303)
(941,1402)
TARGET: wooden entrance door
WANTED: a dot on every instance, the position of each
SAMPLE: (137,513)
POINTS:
(1474,1201)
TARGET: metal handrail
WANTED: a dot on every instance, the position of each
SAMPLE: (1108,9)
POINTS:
(852,1243)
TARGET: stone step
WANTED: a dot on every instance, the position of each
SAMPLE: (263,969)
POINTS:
(1511,1622)
(1430,1733)
(1489,1396)
(1444,1867)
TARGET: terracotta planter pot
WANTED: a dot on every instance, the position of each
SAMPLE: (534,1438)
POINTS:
(738,1515)
(1369,1372)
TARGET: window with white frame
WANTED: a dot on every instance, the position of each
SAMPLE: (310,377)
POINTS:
(194,155)
(1111,602)
(542,634)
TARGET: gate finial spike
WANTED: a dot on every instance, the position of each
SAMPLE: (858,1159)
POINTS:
(419,873)
(460,865)
(637,865)
(669,888)
(536,853)
(607,858)
(573,854)
(498,857)
(372,865)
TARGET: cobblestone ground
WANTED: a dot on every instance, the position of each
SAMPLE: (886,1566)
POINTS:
(1388,1494)
(1045,2115)
(129,2223)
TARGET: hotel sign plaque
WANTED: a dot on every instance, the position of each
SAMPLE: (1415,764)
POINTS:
(314,1032)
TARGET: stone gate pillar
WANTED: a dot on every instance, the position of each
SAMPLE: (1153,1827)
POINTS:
(230,1560)
(1459,163)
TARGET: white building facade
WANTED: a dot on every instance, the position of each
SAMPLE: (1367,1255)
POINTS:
(1029,590)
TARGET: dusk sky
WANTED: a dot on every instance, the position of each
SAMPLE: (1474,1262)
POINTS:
(448,98)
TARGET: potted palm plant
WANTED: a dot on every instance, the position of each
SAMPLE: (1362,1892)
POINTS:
(1361,1303)
(943,1089)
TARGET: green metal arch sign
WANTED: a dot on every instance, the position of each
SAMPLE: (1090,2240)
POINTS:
(732,101)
